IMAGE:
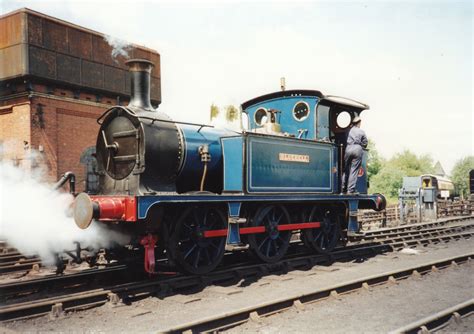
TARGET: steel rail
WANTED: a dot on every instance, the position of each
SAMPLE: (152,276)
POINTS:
(236,317)
(8,250)
(401,228)
(15,256)
(369,235)
(77,280)
(97,297)
(427,237)
(389,234)
(425,241)
(78,300)
(439,319)
(18,265)
(18,261)
(30,286)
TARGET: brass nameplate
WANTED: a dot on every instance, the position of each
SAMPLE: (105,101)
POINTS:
(294,157)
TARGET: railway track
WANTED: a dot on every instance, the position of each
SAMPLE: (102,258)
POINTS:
(76,300)
(236,317)
(11,261)
(76,281)
(439,320)
(428,236)
(79,281)
(5,249)
(379,233)
(18,263)
(113,293)
(395,237)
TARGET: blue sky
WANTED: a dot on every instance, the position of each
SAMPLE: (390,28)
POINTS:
(411,61)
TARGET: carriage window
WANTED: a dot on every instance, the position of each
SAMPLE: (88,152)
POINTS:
(301,111)
(260,116)
(343,119)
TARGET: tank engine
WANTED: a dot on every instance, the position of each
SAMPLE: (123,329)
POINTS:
(193,189)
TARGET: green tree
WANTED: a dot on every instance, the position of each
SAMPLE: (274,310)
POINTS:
(460,175)
(387,181)
(374,161)
(214,111)
(411,164)
(231,113)
(389,178)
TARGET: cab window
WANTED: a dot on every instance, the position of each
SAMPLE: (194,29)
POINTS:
(322,126)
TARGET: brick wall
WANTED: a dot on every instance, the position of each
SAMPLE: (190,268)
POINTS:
(57,127)
(15,134)
(69,128)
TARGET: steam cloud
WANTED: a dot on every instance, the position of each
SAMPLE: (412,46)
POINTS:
(119,46)
(220,121)
(36,220)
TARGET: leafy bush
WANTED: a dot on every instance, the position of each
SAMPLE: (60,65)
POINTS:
(389,178)
(460,175)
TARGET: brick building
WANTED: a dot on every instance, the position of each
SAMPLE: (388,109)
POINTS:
(56,79)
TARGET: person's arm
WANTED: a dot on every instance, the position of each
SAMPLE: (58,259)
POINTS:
(363,140)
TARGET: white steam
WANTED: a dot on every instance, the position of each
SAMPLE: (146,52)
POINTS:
(35,220)
(119,46)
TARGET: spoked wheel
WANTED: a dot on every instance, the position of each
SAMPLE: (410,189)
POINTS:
(192,252)
(323,239)
(271,245)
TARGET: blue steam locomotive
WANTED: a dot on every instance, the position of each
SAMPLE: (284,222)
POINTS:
(192,191)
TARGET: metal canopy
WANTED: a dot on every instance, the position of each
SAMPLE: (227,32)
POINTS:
(345,101)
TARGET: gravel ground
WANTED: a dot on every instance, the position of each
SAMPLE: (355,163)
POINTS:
(378,310)
(466,326)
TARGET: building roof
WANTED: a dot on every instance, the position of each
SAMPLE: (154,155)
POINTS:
(40,47)
(439,169)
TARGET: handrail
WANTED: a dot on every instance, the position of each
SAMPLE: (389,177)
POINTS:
(68,176)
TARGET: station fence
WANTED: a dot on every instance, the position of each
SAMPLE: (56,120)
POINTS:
(370,219)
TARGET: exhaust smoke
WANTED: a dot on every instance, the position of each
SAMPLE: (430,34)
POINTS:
(119,46)
(36,219)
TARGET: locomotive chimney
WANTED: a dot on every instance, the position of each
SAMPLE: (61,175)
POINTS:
(140,72)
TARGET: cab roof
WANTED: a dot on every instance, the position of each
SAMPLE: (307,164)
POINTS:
(306,92)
